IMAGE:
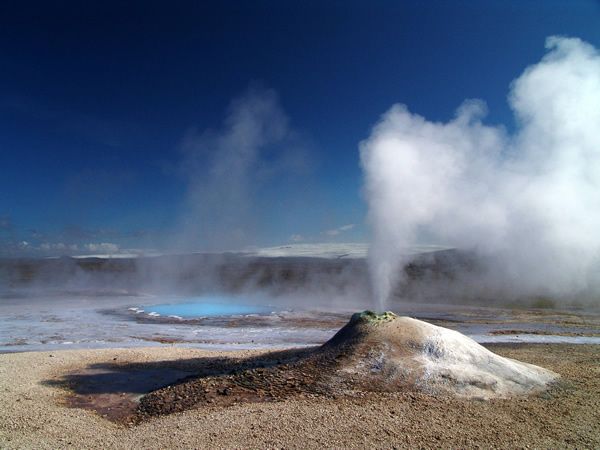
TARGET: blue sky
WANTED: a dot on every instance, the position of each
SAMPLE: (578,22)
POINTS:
(97,100)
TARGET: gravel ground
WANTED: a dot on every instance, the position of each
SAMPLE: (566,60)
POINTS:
(33,415)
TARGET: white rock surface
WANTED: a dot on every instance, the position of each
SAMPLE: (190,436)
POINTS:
(387,352)
(469,369)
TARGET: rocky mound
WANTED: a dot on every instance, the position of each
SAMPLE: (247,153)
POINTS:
(373,352)
(386,352)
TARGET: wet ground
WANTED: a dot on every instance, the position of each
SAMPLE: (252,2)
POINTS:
(35,322)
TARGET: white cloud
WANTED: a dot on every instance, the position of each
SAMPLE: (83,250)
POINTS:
(339,230)
(59,246)
(104,247)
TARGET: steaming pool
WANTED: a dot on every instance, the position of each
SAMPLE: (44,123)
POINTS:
(205,306)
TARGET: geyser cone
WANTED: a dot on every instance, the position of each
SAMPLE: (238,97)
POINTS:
(384,352)
(373,352)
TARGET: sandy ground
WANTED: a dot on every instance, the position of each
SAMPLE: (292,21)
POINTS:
(33,414)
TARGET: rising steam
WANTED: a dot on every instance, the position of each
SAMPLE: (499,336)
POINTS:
(528,203)
(226,169)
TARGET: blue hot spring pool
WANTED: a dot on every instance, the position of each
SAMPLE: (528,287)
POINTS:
(208,306)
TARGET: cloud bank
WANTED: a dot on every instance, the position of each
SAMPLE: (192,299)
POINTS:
(527,203)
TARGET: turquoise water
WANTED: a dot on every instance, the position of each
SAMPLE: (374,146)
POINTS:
(210,306)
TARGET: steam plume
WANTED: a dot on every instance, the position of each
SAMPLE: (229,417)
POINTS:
(527,203)
(226,168)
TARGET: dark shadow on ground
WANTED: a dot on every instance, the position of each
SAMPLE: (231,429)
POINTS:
(113,389)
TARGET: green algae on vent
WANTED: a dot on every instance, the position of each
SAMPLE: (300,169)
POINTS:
(372,317)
